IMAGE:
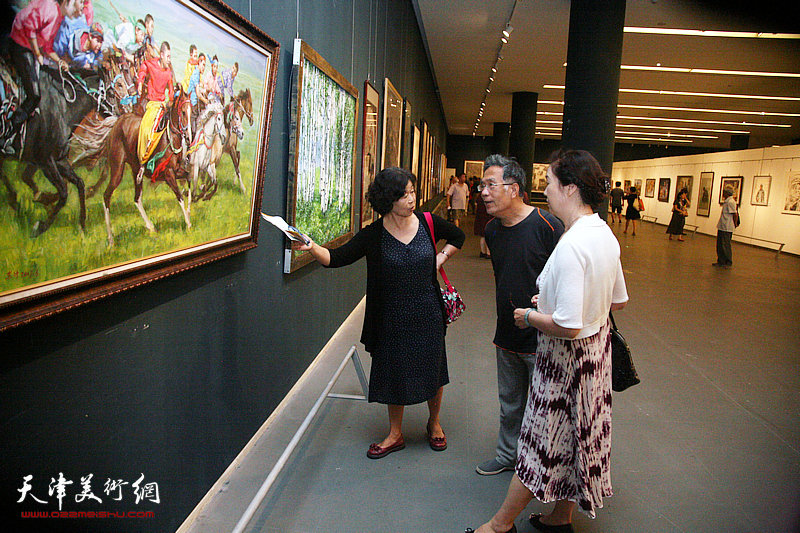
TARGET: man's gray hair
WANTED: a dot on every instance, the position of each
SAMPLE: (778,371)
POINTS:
(512,171)
(727,191)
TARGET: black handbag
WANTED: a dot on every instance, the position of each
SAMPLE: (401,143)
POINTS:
(623,372)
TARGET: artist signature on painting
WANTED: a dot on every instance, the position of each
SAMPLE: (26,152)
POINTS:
(18,274)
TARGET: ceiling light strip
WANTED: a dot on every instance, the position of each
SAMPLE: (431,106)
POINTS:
(712,71)
(693,120)
(704,95)
(692,109)
(711,33)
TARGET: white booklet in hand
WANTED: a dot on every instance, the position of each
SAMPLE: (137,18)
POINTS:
(290,231)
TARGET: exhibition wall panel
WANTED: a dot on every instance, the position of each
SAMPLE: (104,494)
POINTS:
(775,221)
(173,378)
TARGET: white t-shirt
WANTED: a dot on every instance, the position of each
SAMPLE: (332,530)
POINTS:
(458,195)
(583,277)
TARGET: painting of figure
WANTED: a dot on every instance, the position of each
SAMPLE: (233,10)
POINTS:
(704,194)
(791,204)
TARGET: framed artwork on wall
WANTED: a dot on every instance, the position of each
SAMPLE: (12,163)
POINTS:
(539,177)
(473,169)
(638,184)
(369,147)
(684,182)
(392,125)
(407,135)
(55,256)
(736,183)
(650,188)
(791,204)
(322,133)
(704,194)
(760,193)
(663,189)
(626,186)
(415,150)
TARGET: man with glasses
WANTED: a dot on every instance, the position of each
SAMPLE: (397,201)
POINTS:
(520,239)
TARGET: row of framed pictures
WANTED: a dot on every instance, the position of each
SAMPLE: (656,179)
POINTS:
(321,189)
(61,256)
(759,193)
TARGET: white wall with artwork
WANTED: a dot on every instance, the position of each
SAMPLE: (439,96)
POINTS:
(769,191)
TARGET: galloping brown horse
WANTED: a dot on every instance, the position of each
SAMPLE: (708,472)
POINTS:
(242,104)
(121,148)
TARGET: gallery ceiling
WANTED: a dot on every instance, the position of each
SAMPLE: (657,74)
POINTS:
(739,84)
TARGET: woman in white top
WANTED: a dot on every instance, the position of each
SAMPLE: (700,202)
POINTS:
(565,440)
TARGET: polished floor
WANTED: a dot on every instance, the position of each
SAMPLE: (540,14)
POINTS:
(709,441)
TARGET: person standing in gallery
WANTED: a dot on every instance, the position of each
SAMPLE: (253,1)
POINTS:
(728,220)
(404,322)
(520,239)
(680,210)
(457,196)
(616,195)
(632,212)
(565,439)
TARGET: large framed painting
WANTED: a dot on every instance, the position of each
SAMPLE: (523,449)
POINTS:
(473,169)
(663,189)
(791,204)
(734,182)
(81,216)
(392,125)
(704,194)
(684,182)
(650,188)
(322,133)
(415,150)
(760,193)
(369,147)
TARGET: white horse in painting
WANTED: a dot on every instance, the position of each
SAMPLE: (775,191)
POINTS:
(206,150)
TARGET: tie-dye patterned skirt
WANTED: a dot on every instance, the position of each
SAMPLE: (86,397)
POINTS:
(565,441)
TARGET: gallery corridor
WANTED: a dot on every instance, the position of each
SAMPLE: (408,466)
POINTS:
(707,442)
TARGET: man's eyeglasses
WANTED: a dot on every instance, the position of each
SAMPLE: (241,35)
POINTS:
(491,186)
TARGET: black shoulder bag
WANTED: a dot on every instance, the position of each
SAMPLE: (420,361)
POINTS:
(623,372)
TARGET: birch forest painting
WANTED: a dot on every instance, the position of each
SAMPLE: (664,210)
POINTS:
(324,156)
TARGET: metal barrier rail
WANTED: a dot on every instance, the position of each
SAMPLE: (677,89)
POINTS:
(284,458)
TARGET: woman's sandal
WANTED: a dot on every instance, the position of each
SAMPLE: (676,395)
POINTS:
(512,530)
(535,521)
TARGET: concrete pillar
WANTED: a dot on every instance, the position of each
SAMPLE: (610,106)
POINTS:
(594,54)
(523,130)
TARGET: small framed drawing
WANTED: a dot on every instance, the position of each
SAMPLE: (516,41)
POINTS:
(392,125)
(369,144)
(539,182)
(322,148)
(685,182)
(735,182)
(473,169)
(704,194)
(791,205)
(663,189)
(650,188)
(760,193)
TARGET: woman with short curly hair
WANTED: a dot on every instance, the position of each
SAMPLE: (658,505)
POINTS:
(404,321)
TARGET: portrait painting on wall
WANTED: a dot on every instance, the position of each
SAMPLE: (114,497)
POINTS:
(539,182)
(626,186)
(369,147)
(735,182)
(663,189)
(392,125)
(791,204)
(760,193)
(685,182)
(650,188)
(704,194)
(473,169)
(322,133)
(81,215)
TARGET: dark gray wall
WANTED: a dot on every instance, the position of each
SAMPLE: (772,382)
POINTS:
(172,379)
